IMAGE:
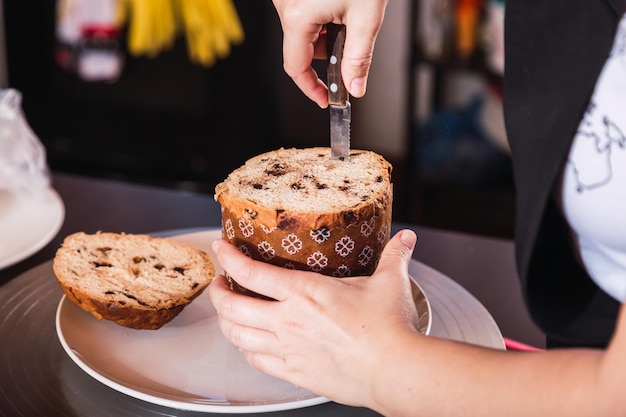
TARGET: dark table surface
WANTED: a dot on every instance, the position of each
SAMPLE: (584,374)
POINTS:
(482,265)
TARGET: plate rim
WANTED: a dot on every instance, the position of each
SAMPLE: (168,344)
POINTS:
(429,308)
(45,238)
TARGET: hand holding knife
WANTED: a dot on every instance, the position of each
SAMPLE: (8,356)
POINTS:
(338,98)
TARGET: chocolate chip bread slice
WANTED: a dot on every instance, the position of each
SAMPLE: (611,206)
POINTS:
(137,281)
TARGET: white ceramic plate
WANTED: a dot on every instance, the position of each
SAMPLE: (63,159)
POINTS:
(27,224)
(187,364)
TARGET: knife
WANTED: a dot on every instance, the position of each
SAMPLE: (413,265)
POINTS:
(338,100)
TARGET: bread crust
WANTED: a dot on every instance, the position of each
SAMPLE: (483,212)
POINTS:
(377,205)
(76,271)
(132,317)
(288,220)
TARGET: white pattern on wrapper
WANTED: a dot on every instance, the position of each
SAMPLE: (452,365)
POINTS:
(266,250)
(344,246)
(368,227)
(292,244)
(267,230)
(342,272)
(244,249)
(230,229)
(317,261)
(320,235)
(383,234)
(366,255)
(246,227)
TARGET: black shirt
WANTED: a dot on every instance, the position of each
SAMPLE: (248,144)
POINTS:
(554,53)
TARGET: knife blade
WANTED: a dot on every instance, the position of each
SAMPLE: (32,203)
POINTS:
(338,98)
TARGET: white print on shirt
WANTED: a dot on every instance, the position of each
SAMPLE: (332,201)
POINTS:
(590,159)
(599,135)
(592,193)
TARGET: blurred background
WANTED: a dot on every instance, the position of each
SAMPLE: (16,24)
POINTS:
(177,93)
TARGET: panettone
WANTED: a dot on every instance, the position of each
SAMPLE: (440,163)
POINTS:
(298,208)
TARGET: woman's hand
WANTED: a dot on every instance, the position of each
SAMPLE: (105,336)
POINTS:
(304,39)
(352,341)
(325,334)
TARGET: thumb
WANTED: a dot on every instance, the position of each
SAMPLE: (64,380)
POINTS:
(397,253)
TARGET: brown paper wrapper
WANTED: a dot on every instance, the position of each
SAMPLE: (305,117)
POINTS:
(334,251)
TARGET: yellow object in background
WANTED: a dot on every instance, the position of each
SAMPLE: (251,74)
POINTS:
(151,26)
(209,26)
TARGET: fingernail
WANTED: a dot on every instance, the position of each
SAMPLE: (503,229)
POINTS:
(408,238)
(357,87)
(215,245)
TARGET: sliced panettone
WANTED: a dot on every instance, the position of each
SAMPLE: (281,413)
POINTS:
(137,281)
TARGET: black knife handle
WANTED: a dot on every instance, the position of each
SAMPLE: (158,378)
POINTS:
(336,38)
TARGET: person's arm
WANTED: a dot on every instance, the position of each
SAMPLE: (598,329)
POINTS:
(444,378)
(351,340)
(304,39)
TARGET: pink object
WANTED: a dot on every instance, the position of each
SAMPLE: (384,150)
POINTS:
(511,344)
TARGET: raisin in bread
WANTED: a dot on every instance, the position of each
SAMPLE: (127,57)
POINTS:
(137,281)
(300,209)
